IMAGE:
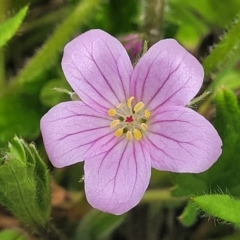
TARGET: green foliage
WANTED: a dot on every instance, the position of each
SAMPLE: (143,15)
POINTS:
(188,23)
(10,26)
(229,79)
(47,54)
(213,11)
(19,114)
(12,235)
(24,181)
(220,206)
(188,217)
(50,97)
(98,225)
(224,51)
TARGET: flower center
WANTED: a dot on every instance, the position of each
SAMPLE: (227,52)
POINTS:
(129,120)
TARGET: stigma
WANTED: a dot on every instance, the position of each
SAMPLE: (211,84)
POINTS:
(129,120)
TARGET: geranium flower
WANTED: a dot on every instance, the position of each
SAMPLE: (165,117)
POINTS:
(129,120)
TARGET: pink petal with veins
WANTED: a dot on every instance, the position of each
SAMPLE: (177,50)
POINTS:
(181,140)
(73,131)
(116,180)
(167,75)
(98,68)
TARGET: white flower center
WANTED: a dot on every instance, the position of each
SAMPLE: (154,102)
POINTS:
(129,120)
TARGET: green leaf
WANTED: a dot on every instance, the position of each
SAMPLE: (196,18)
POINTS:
(189,215)
(220,206)
(98,225)
(12,235)
(229,79)
(221,16)
(10,26)
(189,24)
(224,174)
(19,114)
(48,53)
(212,11)
(225,51)
(24,180)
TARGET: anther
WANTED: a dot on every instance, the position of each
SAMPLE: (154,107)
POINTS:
(119,132)
(138,107)
(147,114)
(120,105)
(137,134)
(144,126)
(129,102)
(129,135)
(114,123)
(112,112)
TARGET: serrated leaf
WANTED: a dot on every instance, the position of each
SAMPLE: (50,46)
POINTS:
(10,26)
(98,225)
(226,50)
(220,206)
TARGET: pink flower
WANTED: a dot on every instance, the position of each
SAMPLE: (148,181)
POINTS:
(129,120)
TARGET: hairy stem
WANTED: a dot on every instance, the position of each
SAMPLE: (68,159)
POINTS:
(153,19)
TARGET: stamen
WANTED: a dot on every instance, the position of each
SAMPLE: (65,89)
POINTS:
(129,102)
(129,135)
(120,105)
(147,114)
(129,120)
(137,134)
(114,123)
(112,112)
(138,107)
(144,126)
(119,132)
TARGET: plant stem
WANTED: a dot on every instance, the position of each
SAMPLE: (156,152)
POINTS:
(153,18)
(163,196)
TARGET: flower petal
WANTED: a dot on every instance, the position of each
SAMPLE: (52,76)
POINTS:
(166,75)
(73,131)
(116,180)
(98,68)
(181,140)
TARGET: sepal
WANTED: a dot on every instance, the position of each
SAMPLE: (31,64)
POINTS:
(25,187)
